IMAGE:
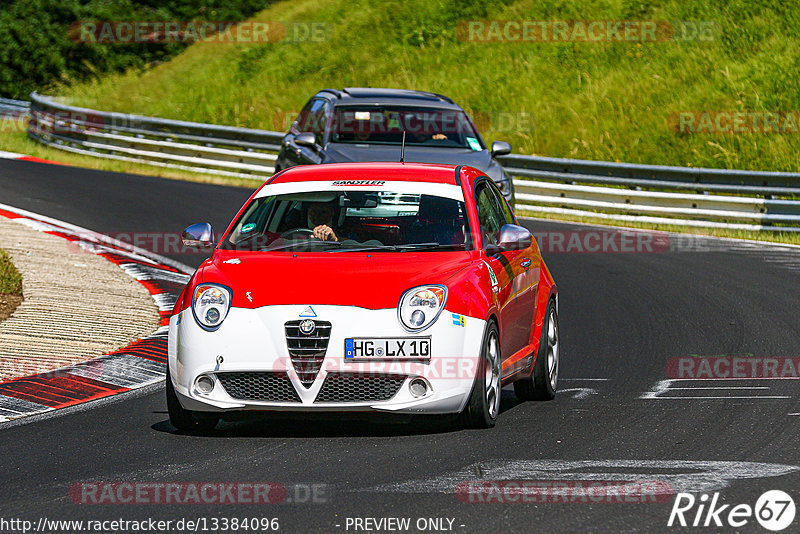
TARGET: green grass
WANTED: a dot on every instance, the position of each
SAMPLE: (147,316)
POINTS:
(605,101)
(10,279)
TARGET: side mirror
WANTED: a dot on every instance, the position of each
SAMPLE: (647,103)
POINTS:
(514,237)
(500,148)
(306,139)
(199,235)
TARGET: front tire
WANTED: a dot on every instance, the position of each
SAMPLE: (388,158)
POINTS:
(484,401)
(184,419)
(543,382)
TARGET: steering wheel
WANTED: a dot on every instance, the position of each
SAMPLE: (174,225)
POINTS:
(299,232)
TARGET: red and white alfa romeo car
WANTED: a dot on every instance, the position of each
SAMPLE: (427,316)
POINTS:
(384,287)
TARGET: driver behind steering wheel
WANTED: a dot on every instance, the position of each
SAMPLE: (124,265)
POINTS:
(321,220)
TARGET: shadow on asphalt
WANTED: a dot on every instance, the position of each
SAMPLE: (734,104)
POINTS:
(327,425)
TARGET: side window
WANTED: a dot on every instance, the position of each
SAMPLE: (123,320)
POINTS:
(490,216)
(253,221)
(300,122)
(313,118)
(508,216)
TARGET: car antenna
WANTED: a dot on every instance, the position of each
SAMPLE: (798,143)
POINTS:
(403,148)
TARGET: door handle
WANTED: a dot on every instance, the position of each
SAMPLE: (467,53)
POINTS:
(525,263)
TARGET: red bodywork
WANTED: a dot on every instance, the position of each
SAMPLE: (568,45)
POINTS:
(377,280)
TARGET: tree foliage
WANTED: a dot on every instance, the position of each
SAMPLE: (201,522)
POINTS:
(36,49)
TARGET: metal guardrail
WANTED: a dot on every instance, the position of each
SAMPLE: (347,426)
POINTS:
(205,148)
(681,196)
(9,105)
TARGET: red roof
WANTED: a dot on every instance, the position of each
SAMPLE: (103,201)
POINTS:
(403,172)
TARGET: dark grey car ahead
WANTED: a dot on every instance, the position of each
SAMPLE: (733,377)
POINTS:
(357,124)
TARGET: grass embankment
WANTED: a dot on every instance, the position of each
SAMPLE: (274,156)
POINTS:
(10,286)
(593,100)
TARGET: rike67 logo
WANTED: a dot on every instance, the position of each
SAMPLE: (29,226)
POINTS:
(774,511)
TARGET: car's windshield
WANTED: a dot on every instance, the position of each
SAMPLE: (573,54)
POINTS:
(348,221)
(422,126)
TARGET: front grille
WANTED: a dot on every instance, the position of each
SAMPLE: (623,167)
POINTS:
(260,386)
(307,351)
(348,387)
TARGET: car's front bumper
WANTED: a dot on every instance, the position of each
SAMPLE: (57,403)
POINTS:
(254,341)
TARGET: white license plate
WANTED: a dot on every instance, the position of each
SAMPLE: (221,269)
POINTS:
(387,348)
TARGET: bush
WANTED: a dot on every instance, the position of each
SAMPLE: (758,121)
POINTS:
(36,51)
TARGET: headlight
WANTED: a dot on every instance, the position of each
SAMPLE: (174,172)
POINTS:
(210,305)
(420,306)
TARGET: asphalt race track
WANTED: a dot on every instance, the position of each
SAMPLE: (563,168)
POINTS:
(624,318)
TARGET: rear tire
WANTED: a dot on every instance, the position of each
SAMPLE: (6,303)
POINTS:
(543,381)
(483,406)
(184,419)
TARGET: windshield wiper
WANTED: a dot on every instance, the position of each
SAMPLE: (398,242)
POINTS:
(403,248)
(366,248)
(422,246)
(299,243)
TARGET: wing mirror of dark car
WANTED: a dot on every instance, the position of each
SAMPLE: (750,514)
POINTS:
(306,139)
(500,148)
(512,237)
(200,235)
